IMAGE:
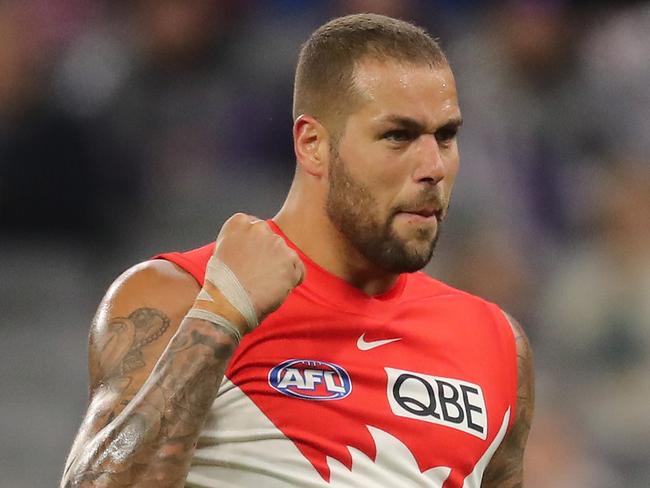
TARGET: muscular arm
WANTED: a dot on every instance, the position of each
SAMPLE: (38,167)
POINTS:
(153,376)
(506,467)
(154,372)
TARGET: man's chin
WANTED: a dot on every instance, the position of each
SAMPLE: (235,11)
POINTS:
(418,248)
(407,257)
(410,265)
(416,237)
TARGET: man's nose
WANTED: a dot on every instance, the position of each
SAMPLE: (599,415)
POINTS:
(430,166)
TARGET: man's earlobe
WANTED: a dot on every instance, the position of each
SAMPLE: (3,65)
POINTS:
(311,145)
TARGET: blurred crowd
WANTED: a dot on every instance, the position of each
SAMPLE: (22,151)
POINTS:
(129,128)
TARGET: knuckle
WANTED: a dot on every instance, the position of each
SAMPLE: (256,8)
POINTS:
(241,218)
(229,224)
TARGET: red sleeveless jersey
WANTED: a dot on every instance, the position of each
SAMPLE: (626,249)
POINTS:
(414,387)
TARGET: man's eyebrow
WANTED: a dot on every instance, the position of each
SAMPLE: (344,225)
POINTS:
(410,123)
(453,124)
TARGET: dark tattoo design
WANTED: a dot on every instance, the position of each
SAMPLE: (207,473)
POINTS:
(149,325)
(147,437)
(119,348)
(506,467)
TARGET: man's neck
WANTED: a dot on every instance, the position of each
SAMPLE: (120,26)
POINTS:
(309,228)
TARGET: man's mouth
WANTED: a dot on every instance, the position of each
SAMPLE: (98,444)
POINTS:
(427,213)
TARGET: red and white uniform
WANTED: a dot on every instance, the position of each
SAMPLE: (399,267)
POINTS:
(412,388)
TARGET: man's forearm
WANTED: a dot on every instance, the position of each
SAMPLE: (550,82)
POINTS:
(152,440)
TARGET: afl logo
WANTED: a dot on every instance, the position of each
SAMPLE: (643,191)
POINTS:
(311,380)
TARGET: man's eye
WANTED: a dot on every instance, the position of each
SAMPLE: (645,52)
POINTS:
(398,135)
(444,136)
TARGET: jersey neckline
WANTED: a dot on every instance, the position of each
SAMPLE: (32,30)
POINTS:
(335,289)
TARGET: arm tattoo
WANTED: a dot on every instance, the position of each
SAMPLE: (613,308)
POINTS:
(149,325)
(148,438)
(121,349)
(506,467)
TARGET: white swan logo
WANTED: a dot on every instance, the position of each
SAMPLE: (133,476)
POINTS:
(395,465)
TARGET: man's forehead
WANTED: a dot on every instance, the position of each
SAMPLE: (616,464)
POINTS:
(414,90)
(372,74)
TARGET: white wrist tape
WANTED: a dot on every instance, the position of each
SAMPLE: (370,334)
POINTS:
(221,276)
(224,323)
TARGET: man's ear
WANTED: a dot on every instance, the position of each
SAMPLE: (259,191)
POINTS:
(311,143)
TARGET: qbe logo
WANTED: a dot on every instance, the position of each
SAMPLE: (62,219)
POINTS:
(310,379)
(445,401)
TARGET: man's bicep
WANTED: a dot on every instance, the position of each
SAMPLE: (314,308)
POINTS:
(122,352)
(134,323)
(124,347)
(506,467)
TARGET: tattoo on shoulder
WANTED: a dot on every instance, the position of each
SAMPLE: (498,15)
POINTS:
(525,388)
(525,380)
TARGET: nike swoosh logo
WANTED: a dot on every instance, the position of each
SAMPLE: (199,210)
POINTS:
(367,345)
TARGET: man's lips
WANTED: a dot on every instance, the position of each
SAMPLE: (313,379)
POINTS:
(428,212)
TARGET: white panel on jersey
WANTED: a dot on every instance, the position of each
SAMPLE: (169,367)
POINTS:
(240,447)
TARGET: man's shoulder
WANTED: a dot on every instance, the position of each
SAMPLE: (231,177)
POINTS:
(153,275)
(421,283)
(421,286)
(192,262)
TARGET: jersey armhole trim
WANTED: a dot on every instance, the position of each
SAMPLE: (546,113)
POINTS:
(188,265)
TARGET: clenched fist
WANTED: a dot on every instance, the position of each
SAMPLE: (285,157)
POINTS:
(267,269)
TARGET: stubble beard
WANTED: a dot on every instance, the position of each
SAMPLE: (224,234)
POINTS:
(353,210)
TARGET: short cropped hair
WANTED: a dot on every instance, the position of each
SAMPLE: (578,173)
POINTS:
(324,84)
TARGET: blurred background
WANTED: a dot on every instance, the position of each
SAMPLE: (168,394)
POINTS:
(129,128)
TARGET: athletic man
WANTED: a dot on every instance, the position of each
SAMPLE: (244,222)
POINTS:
(354,370)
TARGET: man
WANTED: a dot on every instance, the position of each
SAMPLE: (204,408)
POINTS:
(361,371)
